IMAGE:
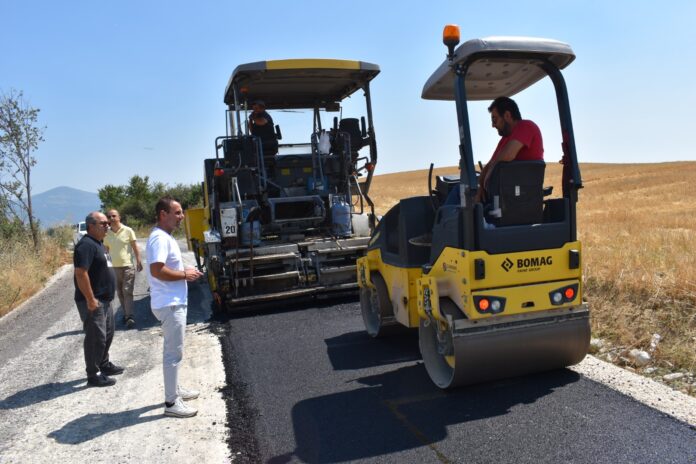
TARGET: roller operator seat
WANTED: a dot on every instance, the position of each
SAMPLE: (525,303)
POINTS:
(516,193)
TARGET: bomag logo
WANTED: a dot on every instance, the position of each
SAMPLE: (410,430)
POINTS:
(527,264)
(534,262)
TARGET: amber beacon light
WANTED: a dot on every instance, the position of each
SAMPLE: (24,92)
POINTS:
(450,37)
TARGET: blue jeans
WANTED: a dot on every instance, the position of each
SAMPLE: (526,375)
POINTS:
(173,319)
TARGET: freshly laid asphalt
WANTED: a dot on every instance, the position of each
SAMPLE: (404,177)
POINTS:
(315,388)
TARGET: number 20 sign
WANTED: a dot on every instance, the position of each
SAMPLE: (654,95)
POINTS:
(228,220)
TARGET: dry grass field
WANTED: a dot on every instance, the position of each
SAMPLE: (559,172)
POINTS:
(24,271)
(637,223)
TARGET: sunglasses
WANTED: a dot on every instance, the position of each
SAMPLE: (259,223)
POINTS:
(103,223)
(112,215)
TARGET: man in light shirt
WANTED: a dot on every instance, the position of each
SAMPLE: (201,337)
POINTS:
(120,241)
(168,299)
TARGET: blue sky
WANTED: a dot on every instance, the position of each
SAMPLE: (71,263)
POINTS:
(131,87)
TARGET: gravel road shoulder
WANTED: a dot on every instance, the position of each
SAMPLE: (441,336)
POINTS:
(49,414)
(641,389)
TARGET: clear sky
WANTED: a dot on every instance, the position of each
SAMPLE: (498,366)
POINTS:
(136,87)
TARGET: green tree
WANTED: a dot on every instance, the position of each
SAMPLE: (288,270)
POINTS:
(111,196)
(139,187)
(136,201)
(188,195)
(19,138)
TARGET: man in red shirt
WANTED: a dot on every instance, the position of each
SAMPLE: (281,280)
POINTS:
(520,138)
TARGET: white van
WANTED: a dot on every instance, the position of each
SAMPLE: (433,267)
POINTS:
(80,231)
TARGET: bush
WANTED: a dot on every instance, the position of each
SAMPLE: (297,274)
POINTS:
(62,235)
(13,229)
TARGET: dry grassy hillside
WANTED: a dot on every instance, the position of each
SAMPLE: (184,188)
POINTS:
(637,223)
(26,270)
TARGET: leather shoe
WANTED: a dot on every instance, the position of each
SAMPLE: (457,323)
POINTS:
(111,369)
(100,380)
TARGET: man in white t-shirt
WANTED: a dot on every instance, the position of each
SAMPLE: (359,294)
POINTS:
(168,299)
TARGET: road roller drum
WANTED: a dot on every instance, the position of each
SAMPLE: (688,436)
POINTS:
(471,353)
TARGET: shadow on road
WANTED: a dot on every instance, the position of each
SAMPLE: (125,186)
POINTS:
(199,309)
(404,399)
(91,426)
(41,393)
(64,334)
(357,350)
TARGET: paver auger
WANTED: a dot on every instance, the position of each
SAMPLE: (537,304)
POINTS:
(497,292)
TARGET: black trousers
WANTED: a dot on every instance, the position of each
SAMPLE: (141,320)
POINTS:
(98,326)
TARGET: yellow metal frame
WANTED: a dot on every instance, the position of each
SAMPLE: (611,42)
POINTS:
(400,281)
(312,63)
(195,223)
(524,279)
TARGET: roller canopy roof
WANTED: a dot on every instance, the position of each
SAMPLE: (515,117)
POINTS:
(500,66)
(299,83)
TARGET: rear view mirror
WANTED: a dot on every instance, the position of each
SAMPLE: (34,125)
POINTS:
(332,107)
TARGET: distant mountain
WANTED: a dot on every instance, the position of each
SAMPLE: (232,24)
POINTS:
(64,205)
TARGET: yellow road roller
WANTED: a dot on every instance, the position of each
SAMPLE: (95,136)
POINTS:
(493,285)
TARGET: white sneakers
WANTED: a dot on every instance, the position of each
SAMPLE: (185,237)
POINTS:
(186,395)
(179,408)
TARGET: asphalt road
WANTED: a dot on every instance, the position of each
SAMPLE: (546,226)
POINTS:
(315,388)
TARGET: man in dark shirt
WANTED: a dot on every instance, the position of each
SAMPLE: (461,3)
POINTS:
(94,291)
(261,125)
(259,117)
